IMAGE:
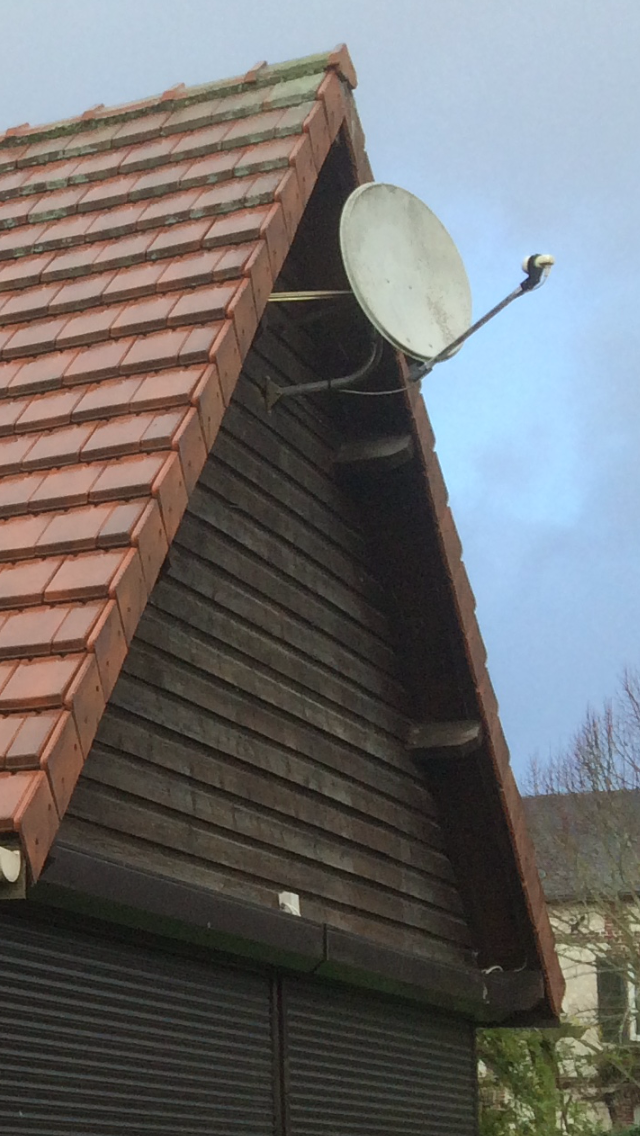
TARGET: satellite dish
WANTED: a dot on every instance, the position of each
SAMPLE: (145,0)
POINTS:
(404,269)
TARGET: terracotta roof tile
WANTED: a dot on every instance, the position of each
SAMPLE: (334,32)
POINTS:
(23,584)
(141,246)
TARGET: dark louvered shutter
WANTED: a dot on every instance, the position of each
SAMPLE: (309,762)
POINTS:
(364,1066)
(102,1038)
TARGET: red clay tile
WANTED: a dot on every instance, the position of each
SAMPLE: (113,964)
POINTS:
(10,412)
(36,820)
(261,189)
(102,165)
(82,293)
(255,128)
(100,362)
(52,176)
(242,310)
(69,231)
(201,304)
(145,315)
(177,239)
(129,477)
(148,156)
(332,94)
(7,670)
(118,436)
(73,531)
(88,576)
(166,389)
(288,194)
(264,156)
(120,524)
(233,261)
(23,273)
(108,642)
(13,451)
(19,535)
(62,760)
(140,129)
(29,304)
(191,446)
(28,633)
(16,493)
(225,353)
(193,116)
(34,339)
(210,169)
(64,488)
(126,251)
(155,351)
(19,242)
(51,206)
(165,179)
(60,447)
(8,372)
(106,398)
(47,410)
(24,583)
(233,228)
(106,194)
(39,685)
(171,492)
(316,126)
(151,540)
(85,698)
(224,197)
(16,790)
(30,740)
(208,400)
(15,212)
(67,265)
(199,142)
(39,375)
(74,630)
(9,726)
(198,344)
(129,589)
(129,283)
(11,182)
(259,272)
(88,327)
(161,430)
(275,231)
(168,210)
(113,222)
(187,272)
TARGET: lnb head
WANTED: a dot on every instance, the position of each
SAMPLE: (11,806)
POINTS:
(537,267)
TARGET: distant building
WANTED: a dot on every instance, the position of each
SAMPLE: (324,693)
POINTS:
(587,849)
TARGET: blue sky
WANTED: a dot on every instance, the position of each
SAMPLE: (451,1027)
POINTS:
(517,121)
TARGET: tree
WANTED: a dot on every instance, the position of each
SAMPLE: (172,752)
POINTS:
(523,1086)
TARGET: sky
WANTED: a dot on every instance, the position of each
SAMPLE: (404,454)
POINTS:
(517,121)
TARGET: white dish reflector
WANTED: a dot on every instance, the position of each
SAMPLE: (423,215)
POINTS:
(404,269)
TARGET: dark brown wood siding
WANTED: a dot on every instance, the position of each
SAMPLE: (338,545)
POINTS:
(254,741)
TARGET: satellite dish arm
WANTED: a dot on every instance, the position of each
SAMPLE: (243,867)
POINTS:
(273,393)
(537,268)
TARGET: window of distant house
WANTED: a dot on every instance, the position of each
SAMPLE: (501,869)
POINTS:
(618,1002)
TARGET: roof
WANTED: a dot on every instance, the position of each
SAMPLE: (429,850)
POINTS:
(587,844)
(138,248)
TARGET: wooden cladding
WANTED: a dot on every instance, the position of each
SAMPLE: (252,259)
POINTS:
(256,739)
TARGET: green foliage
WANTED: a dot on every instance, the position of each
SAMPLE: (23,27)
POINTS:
(522,1085)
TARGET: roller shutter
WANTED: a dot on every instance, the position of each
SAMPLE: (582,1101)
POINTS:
(102,1038)
(358,1065)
